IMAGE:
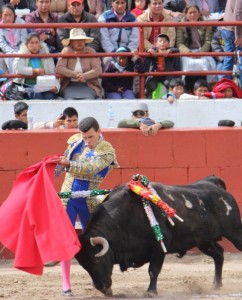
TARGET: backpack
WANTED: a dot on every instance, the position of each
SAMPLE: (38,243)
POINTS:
(13,91)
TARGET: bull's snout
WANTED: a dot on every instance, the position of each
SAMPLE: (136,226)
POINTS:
(109,292)
(106,290)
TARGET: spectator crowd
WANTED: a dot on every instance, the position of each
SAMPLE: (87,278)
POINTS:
(78,76)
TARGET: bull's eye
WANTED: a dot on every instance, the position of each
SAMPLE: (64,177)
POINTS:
(95,260)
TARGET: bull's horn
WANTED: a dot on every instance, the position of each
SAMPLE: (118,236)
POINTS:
(100,241)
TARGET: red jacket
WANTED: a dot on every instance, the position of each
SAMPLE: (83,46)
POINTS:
(220,86)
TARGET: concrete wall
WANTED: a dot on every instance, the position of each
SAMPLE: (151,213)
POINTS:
(174,156)
(185,113)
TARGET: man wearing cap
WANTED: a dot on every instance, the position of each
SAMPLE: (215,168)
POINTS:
(76,14)
(140,119)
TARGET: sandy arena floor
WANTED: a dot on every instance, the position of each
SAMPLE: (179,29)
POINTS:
(180,279)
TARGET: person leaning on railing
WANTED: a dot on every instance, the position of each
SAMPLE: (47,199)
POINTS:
(160,64)
(156,13)
(122,87)
(141,120)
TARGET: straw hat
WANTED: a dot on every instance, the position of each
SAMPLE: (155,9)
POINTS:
(77,34)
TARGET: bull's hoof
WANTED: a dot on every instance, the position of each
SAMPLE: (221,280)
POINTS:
(109,293)
(217,285)
(150,294)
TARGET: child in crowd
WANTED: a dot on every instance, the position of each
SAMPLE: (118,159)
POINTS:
(160,63)
(176,89)
(200,87)
(140,6)
(224,88)
(122,87)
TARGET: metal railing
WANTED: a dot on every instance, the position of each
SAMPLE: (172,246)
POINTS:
(139,25)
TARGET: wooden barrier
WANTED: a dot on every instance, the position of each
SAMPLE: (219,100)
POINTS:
(174,156)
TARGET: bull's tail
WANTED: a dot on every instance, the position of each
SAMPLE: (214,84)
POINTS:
(236,239)
(233,228)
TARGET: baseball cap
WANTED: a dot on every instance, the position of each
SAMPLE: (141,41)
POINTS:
(72,1)
(140,106)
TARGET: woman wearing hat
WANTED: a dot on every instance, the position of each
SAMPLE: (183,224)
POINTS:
(81,74)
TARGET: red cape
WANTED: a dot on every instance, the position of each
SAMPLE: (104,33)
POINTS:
(33,222)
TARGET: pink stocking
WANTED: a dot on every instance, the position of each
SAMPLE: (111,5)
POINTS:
(66,273)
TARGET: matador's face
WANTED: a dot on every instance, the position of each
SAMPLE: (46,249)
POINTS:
(91,137)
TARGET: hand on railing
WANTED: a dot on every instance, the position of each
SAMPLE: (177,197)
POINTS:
(135,53)
(238,42)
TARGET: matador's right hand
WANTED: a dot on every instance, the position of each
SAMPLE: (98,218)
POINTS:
(62,160)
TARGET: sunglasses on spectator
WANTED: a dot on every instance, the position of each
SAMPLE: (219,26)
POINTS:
(139,113)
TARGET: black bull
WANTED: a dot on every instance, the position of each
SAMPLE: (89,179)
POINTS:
(209,213)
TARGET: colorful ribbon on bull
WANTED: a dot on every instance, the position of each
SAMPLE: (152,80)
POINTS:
(141,186)
(82,194)
(100,196)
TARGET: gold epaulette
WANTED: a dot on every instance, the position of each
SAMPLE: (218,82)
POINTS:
(74,138)
(104,148)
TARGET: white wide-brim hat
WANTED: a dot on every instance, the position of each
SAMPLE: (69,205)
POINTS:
(77,34)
